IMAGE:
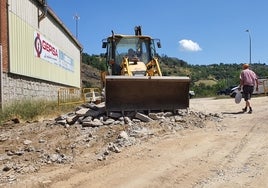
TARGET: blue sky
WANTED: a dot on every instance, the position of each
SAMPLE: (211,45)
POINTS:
(200,32)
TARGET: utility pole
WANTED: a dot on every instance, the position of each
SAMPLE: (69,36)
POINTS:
(76,17)
(249,45)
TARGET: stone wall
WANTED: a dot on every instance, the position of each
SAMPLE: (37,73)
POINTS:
(17,87)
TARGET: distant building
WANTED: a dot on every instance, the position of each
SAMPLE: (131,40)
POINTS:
(38,54)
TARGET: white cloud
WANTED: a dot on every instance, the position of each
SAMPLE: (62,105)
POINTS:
(189,45)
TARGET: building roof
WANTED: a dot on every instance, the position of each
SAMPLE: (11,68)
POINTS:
(51,13)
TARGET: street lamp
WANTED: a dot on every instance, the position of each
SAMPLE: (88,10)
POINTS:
(249,46)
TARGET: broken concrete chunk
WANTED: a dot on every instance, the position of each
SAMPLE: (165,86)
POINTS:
(109,121)
(27,142)
(82,111)
(143,117)
(94,123)
(123,134)
(115,115)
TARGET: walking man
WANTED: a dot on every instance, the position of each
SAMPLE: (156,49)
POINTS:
(248,80)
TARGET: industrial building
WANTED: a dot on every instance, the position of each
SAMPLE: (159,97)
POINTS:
(38,54)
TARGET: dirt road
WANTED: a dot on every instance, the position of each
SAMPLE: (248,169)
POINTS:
(228,153)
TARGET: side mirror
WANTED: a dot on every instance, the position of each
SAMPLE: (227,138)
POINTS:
(104,44)
(158,44)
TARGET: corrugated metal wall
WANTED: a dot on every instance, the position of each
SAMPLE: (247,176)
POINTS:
(23,26)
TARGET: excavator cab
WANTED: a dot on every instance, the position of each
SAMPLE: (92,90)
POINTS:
(134,79)
(129,55)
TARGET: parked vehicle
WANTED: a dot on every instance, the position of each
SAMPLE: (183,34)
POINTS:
(191,94)
(226,91)
(262,88)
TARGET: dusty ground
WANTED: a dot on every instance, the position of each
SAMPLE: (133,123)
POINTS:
(232,152)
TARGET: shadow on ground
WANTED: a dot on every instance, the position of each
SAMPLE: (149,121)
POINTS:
(240,112)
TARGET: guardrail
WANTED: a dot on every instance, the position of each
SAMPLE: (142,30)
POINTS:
(77,95)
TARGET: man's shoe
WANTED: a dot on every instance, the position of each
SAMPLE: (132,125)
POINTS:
(250,111)
(244,109)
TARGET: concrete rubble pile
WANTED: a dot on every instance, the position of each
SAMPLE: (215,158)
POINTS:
(94,115)
(87,126)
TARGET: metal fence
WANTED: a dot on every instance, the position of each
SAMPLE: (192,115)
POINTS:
(77,95)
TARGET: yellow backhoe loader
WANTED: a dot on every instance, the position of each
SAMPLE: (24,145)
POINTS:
(134,80)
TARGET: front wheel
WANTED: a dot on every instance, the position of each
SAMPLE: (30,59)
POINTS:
(233,94)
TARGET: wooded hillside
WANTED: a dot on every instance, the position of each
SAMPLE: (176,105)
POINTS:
(206,80)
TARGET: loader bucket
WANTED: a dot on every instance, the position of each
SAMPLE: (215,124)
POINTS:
(130,93)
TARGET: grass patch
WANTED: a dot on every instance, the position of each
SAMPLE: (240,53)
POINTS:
(32,110)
